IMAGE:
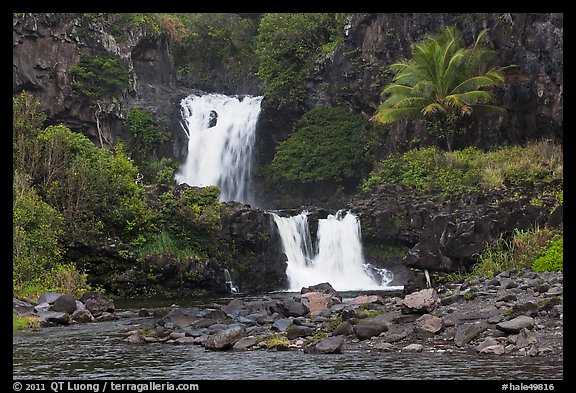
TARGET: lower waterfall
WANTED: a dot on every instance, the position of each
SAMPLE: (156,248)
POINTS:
(336,257)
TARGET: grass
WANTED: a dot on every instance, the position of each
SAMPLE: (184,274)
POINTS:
(521,251)
(20,322)
(451,173)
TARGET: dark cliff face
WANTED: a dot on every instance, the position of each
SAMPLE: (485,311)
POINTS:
(356,73)
(47,46)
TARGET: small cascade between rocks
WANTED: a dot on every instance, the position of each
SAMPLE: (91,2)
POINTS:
(230,287)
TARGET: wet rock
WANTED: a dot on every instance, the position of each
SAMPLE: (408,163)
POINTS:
(21,306)
(488,342)
(318,302)
(244,343)
(467,332)
(82,316)
(344,329)
(528,309)
(48,297)
(106,316)
(427,326)
(525,338)
(49,318)
(135,338)
(184,340)
(324,288)
(234,305)
(225,339)
(364,299)
(384,346)
(65,303)
(516,325)
(299,331)
(97,303)
(497,349)
(295,309)
(281,325)
(332,344)
(366,330)
(413,348)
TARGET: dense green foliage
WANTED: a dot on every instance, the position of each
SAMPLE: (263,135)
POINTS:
(442,84)
(450,173)
(192,216)
(67,190)
(99,76)
(37,228)
(287,46)
(217,41)
(325,145)
(146,134)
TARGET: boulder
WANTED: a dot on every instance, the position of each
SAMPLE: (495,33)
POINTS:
(420,302)
(332,344)
(65,303)
(516,325)
(225,339)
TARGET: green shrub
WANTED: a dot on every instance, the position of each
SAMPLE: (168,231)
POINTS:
(552,260)
(146,133)
(36,231)
(325,146)
(522,250)
(99,76)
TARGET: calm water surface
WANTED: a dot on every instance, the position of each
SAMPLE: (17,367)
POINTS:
(97,351)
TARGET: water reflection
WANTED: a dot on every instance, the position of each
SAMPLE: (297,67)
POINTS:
(97,351)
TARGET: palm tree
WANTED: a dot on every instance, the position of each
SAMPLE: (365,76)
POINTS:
(442,84)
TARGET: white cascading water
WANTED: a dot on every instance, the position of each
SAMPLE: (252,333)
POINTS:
(221,133)
(338,259)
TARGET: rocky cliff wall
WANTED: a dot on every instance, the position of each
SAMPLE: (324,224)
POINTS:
(356,73)
(47,46)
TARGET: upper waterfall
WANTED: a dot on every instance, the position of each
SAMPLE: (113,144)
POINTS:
(221,133)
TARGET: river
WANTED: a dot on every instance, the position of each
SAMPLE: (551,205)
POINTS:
(97,351)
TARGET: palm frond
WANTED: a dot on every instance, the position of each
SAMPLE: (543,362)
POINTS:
(432,108)
(391,115)
(485,108)
(463,101)
(406,102)
(491,78)
(398,89)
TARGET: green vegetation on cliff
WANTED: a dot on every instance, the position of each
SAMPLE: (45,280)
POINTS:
(99,76)
(287,46)
(452,173)
(85,216)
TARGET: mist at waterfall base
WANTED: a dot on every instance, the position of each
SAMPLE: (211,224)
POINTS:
(221,134)
(336,258)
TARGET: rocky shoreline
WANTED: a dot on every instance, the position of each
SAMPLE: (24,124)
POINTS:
(517,313)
